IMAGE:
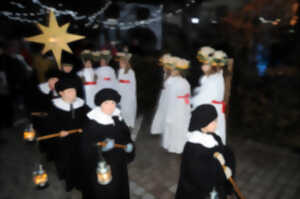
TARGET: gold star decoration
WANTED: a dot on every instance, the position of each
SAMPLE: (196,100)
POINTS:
(55,38)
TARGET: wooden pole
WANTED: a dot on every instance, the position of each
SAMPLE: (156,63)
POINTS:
(116,145)
(46,137)
(39,114)
(235,187)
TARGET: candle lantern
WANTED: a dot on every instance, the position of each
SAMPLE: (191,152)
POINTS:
(40,177)
(103,173)
(29,133)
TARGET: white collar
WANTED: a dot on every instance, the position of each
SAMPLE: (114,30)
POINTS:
(61,104)
(44,87)
(204,139)
(102,118)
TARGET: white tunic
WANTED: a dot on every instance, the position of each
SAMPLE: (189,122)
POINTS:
(178,113)
(127,90)
(159,118)
(211,91)
(89,83)
(106,78)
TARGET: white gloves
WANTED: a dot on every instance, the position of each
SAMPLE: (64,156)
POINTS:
(220,158)
(129,148)
(228,172)
(110,143)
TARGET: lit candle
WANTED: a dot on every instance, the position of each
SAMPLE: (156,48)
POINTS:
(40,177)
(29,135)
(104,173)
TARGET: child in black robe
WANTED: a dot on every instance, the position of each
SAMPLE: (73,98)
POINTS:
(68,71)
(201,173)
(106,122)
(67,113)
(42,96)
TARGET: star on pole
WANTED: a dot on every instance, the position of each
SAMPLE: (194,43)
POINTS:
(55,38)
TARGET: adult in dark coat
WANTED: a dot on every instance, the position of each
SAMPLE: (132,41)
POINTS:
(67,113)
(44,93)
(106,122)
(42,96)
(201,173)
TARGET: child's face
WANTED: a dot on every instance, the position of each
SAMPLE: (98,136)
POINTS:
(122,63)
(108,107)
(211,127)
(67,68)
(88,64)
(175,72)
(103,62)
(205,68)
(68,95)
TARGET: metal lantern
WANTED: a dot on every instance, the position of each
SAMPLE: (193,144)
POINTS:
(29,133)
(103,173)
(40,177)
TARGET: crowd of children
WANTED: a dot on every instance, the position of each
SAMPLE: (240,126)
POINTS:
(103,104)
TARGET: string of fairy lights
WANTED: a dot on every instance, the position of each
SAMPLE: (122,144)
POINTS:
(90,21)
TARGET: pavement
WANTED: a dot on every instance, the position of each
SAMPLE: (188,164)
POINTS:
(263,171)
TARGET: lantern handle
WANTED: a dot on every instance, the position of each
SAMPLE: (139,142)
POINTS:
(46,137)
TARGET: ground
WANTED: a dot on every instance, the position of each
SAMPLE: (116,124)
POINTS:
(263,171)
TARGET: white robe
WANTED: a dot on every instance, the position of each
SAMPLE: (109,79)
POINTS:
(178,113)
(127,90)
(89,84)
(157,126)
(106,78)
(211,91)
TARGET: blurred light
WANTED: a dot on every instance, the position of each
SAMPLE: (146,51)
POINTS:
(262,61)
(104,175)
(294,20)
(29,133)
(40,177)
(195,20)
(291,31)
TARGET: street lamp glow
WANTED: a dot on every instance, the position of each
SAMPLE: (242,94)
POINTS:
(195,20)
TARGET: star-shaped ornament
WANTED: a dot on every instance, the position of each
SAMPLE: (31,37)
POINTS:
(55,38)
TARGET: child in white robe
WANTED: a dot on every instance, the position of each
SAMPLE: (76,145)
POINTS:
(106,76)
(89,78)
(212,85)
(127,89)
(178,109)
(157,126)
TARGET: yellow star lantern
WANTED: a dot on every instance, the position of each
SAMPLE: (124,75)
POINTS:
(55,38)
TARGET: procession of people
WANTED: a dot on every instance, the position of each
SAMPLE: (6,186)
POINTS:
(102,102)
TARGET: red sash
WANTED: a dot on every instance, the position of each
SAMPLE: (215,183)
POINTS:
(89,83)
(186,98)
(123,81)
(106,78)
(220,102)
